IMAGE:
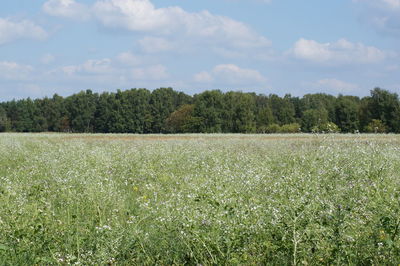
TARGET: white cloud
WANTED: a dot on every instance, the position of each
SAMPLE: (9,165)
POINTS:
(340,52)
(155,44)
(15,30)
(102,66)
(230,74)
(66,9)
(135,15)
(166,28)
(123,68)
(143,16)
(14,71)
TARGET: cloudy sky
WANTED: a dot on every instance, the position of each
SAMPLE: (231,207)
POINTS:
(263,46)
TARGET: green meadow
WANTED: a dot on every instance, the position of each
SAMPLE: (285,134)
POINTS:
(93,199)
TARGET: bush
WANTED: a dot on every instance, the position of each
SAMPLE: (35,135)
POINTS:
(273,128)
(376,126)
(329,127)
(290,128)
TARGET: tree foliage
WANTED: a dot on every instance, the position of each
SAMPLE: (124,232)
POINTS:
(165,110)
(180,121)
(4,122)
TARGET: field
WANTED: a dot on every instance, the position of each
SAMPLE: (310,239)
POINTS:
(199,199)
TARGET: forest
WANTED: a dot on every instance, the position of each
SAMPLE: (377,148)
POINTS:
(165,110)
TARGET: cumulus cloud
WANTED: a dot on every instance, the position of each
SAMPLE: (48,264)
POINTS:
(171,28)
(134,15)
(340,52)
(66,9)
(15,30)
(143,16)
(14,71)
(230,74)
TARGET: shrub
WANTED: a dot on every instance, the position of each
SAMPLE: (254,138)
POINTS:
(376,126)
(290,128)
(329,127)
(273,128)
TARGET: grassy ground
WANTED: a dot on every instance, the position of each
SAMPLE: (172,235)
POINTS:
(199,199)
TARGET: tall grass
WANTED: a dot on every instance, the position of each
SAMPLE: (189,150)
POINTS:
(199,199)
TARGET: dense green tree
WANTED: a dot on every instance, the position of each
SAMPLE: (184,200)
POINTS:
(208,111)
(13,115)
(319,101)
(180,120)
(283,109)
(264,118)
(53,111)
(238,114)
(136,110)
(25,116)
(314,119)
(81,108)
(385,106)
(167,111)
(263,113)
(4,121)
(163,102)
(297,105)
(104,116)
(365,113)
(347,113)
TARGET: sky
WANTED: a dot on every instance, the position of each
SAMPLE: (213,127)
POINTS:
(264,46)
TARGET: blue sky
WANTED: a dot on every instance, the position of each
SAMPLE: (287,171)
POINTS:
(262,46)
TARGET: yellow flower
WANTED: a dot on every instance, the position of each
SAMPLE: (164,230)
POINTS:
(382,235)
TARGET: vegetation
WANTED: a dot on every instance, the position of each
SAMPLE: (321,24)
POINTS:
(199,199)
(167,111)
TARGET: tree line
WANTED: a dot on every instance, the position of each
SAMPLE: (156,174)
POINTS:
(165,110)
